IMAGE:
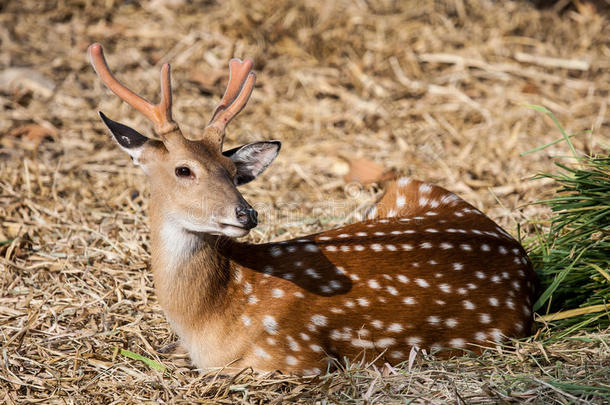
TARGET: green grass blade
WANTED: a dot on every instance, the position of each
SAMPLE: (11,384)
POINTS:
(555,121)
(149,362)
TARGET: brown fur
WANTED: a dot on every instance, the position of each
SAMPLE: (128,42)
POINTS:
(207,294)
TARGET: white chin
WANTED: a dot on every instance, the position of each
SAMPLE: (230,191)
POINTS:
(232,231)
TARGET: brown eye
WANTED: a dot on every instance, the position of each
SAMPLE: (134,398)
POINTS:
(183,171)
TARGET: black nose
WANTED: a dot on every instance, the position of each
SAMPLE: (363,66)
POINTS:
(247,216)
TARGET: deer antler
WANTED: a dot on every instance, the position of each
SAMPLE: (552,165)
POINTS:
(239,89)
(160,114)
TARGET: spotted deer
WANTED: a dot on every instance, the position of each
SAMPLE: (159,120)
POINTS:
(426,270)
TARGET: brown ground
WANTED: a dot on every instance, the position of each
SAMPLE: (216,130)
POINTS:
(433,89)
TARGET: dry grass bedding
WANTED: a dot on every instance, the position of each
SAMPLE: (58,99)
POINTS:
(432,89)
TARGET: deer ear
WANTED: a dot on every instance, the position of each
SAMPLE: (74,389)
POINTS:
(128,139)
(252,159)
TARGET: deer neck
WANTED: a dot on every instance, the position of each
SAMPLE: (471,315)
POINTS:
(192,279)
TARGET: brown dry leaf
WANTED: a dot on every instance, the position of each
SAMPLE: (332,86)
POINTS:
(208,79)
(31,135)
(530,88)
(365,171)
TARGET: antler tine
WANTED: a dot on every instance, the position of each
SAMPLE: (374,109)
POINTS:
(239,89)
(160,114)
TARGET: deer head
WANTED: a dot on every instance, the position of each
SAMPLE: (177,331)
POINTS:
(193,182)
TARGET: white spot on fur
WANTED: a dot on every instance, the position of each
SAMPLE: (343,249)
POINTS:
(400,201)
(363,302)
(496,334)
(433,320)
(468,305)
(247,288)
(365,344)
(293,344)
(312,273)
(277,293)
(385,342)
(425,188)
(395,328)
(484,318)
(261,353)
(270,324)
(403,181)
(457,342)
(316,348)
(319,320)
(414,341)
(396,355)
(422,283)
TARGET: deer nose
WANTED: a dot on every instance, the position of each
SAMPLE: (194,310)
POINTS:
(247,216)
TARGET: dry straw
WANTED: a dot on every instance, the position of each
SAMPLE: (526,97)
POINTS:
(432,89)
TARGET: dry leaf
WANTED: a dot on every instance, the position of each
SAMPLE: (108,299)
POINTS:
(365,172)
(209,78)
(31,135)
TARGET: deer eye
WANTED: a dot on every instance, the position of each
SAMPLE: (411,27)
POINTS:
(183,171)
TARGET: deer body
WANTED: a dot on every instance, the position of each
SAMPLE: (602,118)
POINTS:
(425,270)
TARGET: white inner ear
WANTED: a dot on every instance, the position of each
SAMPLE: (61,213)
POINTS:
(256,158)
(135,154)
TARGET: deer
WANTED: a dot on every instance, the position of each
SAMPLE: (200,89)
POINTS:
(424,271)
